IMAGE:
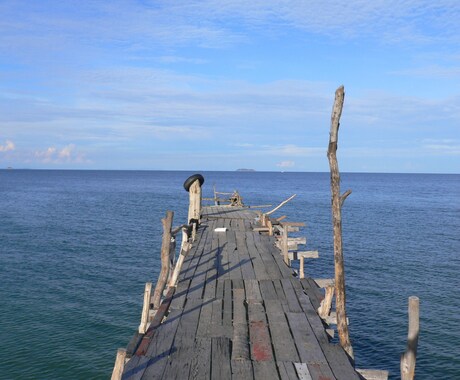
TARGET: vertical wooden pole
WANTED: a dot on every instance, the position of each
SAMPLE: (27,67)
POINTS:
(119,366)
(194,210)
(285,245)
(337,201)
(302,267)
(145,308)
(409,357)
(165,247)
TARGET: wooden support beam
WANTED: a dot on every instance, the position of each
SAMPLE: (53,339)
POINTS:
(165,263)
(337,202)
(293,224)
(297,255)
(324,282)
(331,319)
(326,304)
(408,359)
(145,309)
(119,366)
(373,374)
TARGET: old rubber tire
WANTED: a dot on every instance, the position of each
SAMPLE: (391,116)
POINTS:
(188,182)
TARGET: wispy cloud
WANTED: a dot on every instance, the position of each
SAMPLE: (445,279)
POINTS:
(8,146)
(66,154)
(285,164)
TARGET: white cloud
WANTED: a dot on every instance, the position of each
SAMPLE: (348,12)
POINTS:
(285,164)
(53,155)
(9,145)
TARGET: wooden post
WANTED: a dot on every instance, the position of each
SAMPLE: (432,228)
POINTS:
(194,210)
(285,245)
(409,357)
(337,201)
(186,246)
(119,366)
(302,267)
(145,308)
(165,247)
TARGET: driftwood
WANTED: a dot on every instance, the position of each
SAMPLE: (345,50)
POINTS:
(165,261)
(337,202)
(281,205)
(408,358)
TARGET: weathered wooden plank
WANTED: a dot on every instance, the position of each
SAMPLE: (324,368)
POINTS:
(264,370)
(311,313)
(292,301)
(178,366)
(256,259)
(302,371)
(240,346)
(204,323)
(305,340)
(280,332)
(320,371)
(135,368)
(267,290)
(339,362)
(247,269)
(287,371)
(220,358)
(242,369)
(200,360)
(227,307)
(253,294)
(266,252)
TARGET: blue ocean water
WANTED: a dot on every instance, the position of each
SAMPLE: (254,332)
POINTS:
(76,248)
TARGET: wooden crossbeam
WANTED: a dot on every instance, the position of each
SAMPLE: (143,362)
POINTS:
(373,374)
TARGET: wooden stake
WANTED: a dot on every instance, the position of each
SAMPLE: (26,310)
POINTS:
(409,357)
(194,210)
(337,201)
(119,366)
(145,309)
(165,247)
(302,267)
(285,245)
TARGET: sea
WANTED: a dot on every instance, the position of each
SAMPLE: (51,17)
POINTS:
(76,248)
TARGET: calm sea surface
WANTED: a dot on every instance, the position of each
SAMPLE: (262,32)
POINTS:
(76,248)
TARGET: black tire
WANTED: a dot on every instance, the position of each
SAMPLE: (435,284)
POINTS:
(188,182)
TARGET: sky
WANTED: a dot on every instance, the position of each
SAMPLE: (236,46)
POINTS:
(222,85)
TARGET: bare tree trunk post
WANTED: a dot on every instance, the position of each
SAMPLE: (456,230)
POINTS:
(194,210)
(337,201)
(165,263)
(408,358)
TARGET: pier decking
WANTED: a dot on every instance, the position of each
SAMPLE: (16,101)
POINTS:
(238,312)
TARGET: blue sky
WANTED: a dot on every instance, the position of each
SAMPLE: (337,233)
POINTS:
(222,85)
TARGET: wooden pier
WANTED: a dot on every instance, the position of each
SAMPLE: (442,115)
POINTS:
(231,307)
(239,312)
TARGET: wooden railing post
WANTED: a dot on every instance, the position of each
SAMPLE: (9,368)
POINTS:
(337,201)
(119,364)
(409,357)
(145,309)
(285,245)
(193,185)
(165,262)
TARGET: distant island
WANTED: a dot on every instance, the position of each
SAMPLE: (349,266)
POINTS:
(245,170)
